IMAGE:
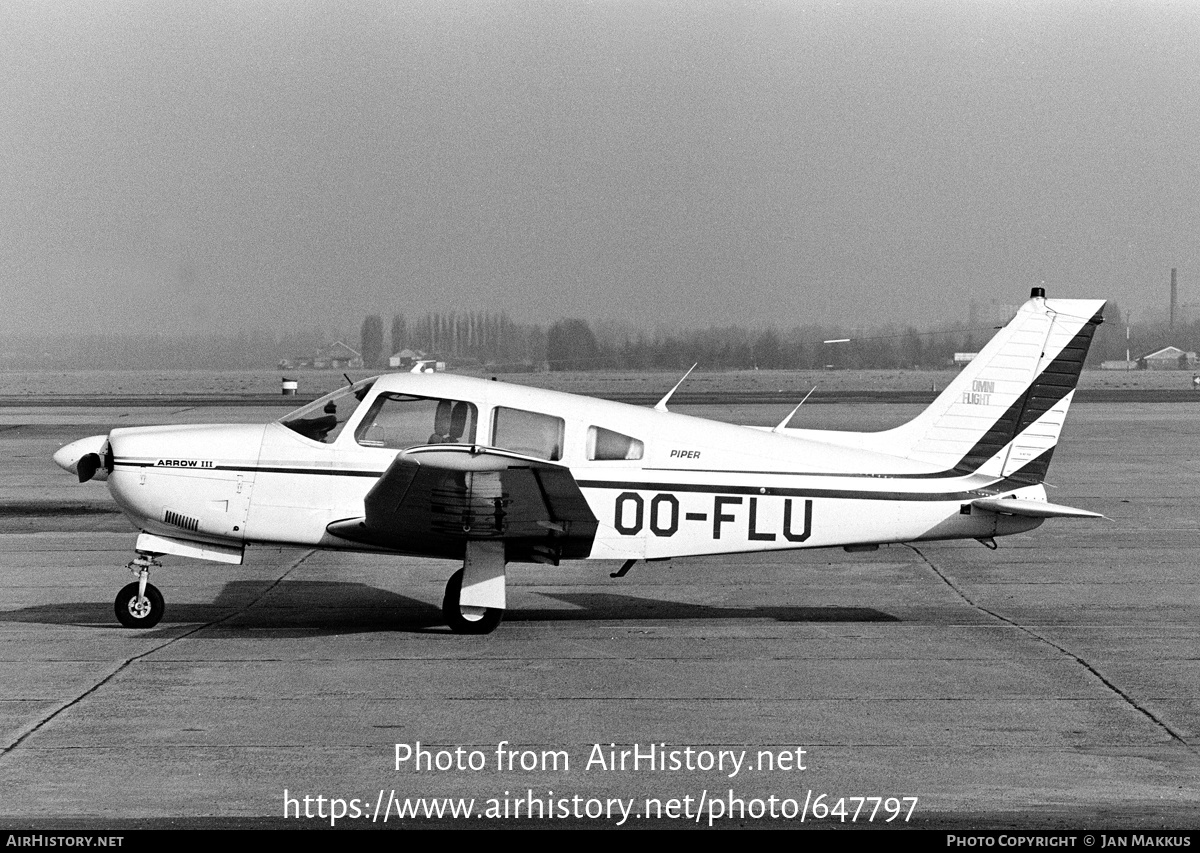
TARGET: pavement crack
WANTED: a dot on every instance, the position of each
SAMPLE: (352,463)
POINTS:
(295,565)
(1099,676)
(46,719)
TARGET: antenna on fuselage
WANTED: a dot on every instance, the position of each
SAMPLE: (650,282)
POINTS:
(349,381)
(661,405)
(792,413)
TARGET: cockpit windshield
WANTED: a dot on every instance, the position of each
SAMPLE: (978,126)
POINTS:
(322,419)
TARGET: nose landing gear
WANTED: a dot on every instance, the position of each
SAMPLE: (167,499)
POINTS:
(140,604)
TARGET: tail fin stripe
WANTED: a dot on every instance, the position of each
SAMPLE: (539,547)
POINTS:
(1002,414)
(1054,383)
(1029,474)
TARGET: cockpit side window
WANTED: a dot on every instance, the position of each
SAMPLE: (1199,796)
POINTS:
(322,420)
(604,444)
(398,421)
(529,433)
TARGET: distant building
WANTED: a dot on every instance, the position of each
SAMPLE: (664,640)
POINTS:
(409,359)
(336,356)
(1119,364)
(406,358)
(1167,358)
(964,357)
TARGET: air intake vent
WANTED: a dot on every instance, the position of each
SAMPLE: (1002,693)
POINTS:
(172,517)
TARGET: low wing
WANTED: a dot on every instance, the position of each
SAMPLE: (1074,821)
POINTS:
(434,499)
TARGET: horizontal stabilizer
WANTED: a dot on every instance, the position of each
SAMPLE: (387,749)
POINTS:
(1031,508)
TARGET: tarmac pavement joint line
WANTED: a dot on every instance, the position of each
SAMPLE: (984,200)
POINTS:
(1175,736)
(125,664)
(604,654)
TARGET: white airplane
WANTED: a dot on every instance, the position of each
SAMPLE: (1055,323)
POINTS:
(488,473)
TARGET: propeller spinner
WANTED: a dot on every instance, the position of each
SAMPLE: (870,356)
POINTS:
(88,458)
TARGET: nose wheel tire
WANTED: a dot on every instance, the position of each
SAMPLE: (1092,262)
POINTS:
(466,620)
(135,612)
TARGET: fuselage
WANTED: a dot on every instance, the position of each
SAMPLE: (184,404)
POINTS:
(659,484)
(490,474)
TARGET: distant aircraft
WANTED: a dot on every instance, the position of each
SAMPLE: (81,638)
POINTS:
(455,467)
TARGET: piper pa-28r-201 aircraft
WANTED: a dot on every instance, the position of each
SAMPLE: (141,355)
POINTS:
(488,473)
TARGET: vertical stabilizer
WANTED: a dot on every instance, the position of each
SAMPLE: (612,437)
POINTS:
(1003,414)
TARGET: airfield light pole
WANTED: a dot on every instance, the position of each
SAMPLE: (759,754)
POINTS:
(1128,323)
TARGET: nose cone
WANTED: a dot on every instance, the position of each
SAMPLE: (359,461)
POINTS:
(67,457)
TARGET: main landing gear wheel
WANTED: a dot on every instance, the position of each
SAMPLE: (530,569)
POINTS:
(135,612)
(466,620)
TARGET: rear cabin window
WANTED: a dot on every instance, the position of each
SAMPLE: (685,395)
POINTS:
(604,444)
(529,433)
(398,421)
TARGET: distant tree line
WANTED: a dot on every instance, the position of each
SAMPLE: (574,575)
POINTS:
(800,347)
(481,337)
(493,341)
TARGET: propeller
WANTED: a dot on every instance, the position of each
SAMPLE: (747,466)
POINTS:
(87,466)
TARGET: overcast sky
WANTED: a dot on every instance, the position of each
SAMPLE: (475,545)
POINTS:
(210,165)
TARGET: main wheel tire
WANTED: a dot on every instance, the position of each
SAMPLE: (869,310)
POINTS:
(467,620)
(133,613)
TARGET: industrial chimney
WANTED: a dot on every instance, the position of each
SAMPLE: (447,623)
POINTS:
(1174,298)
